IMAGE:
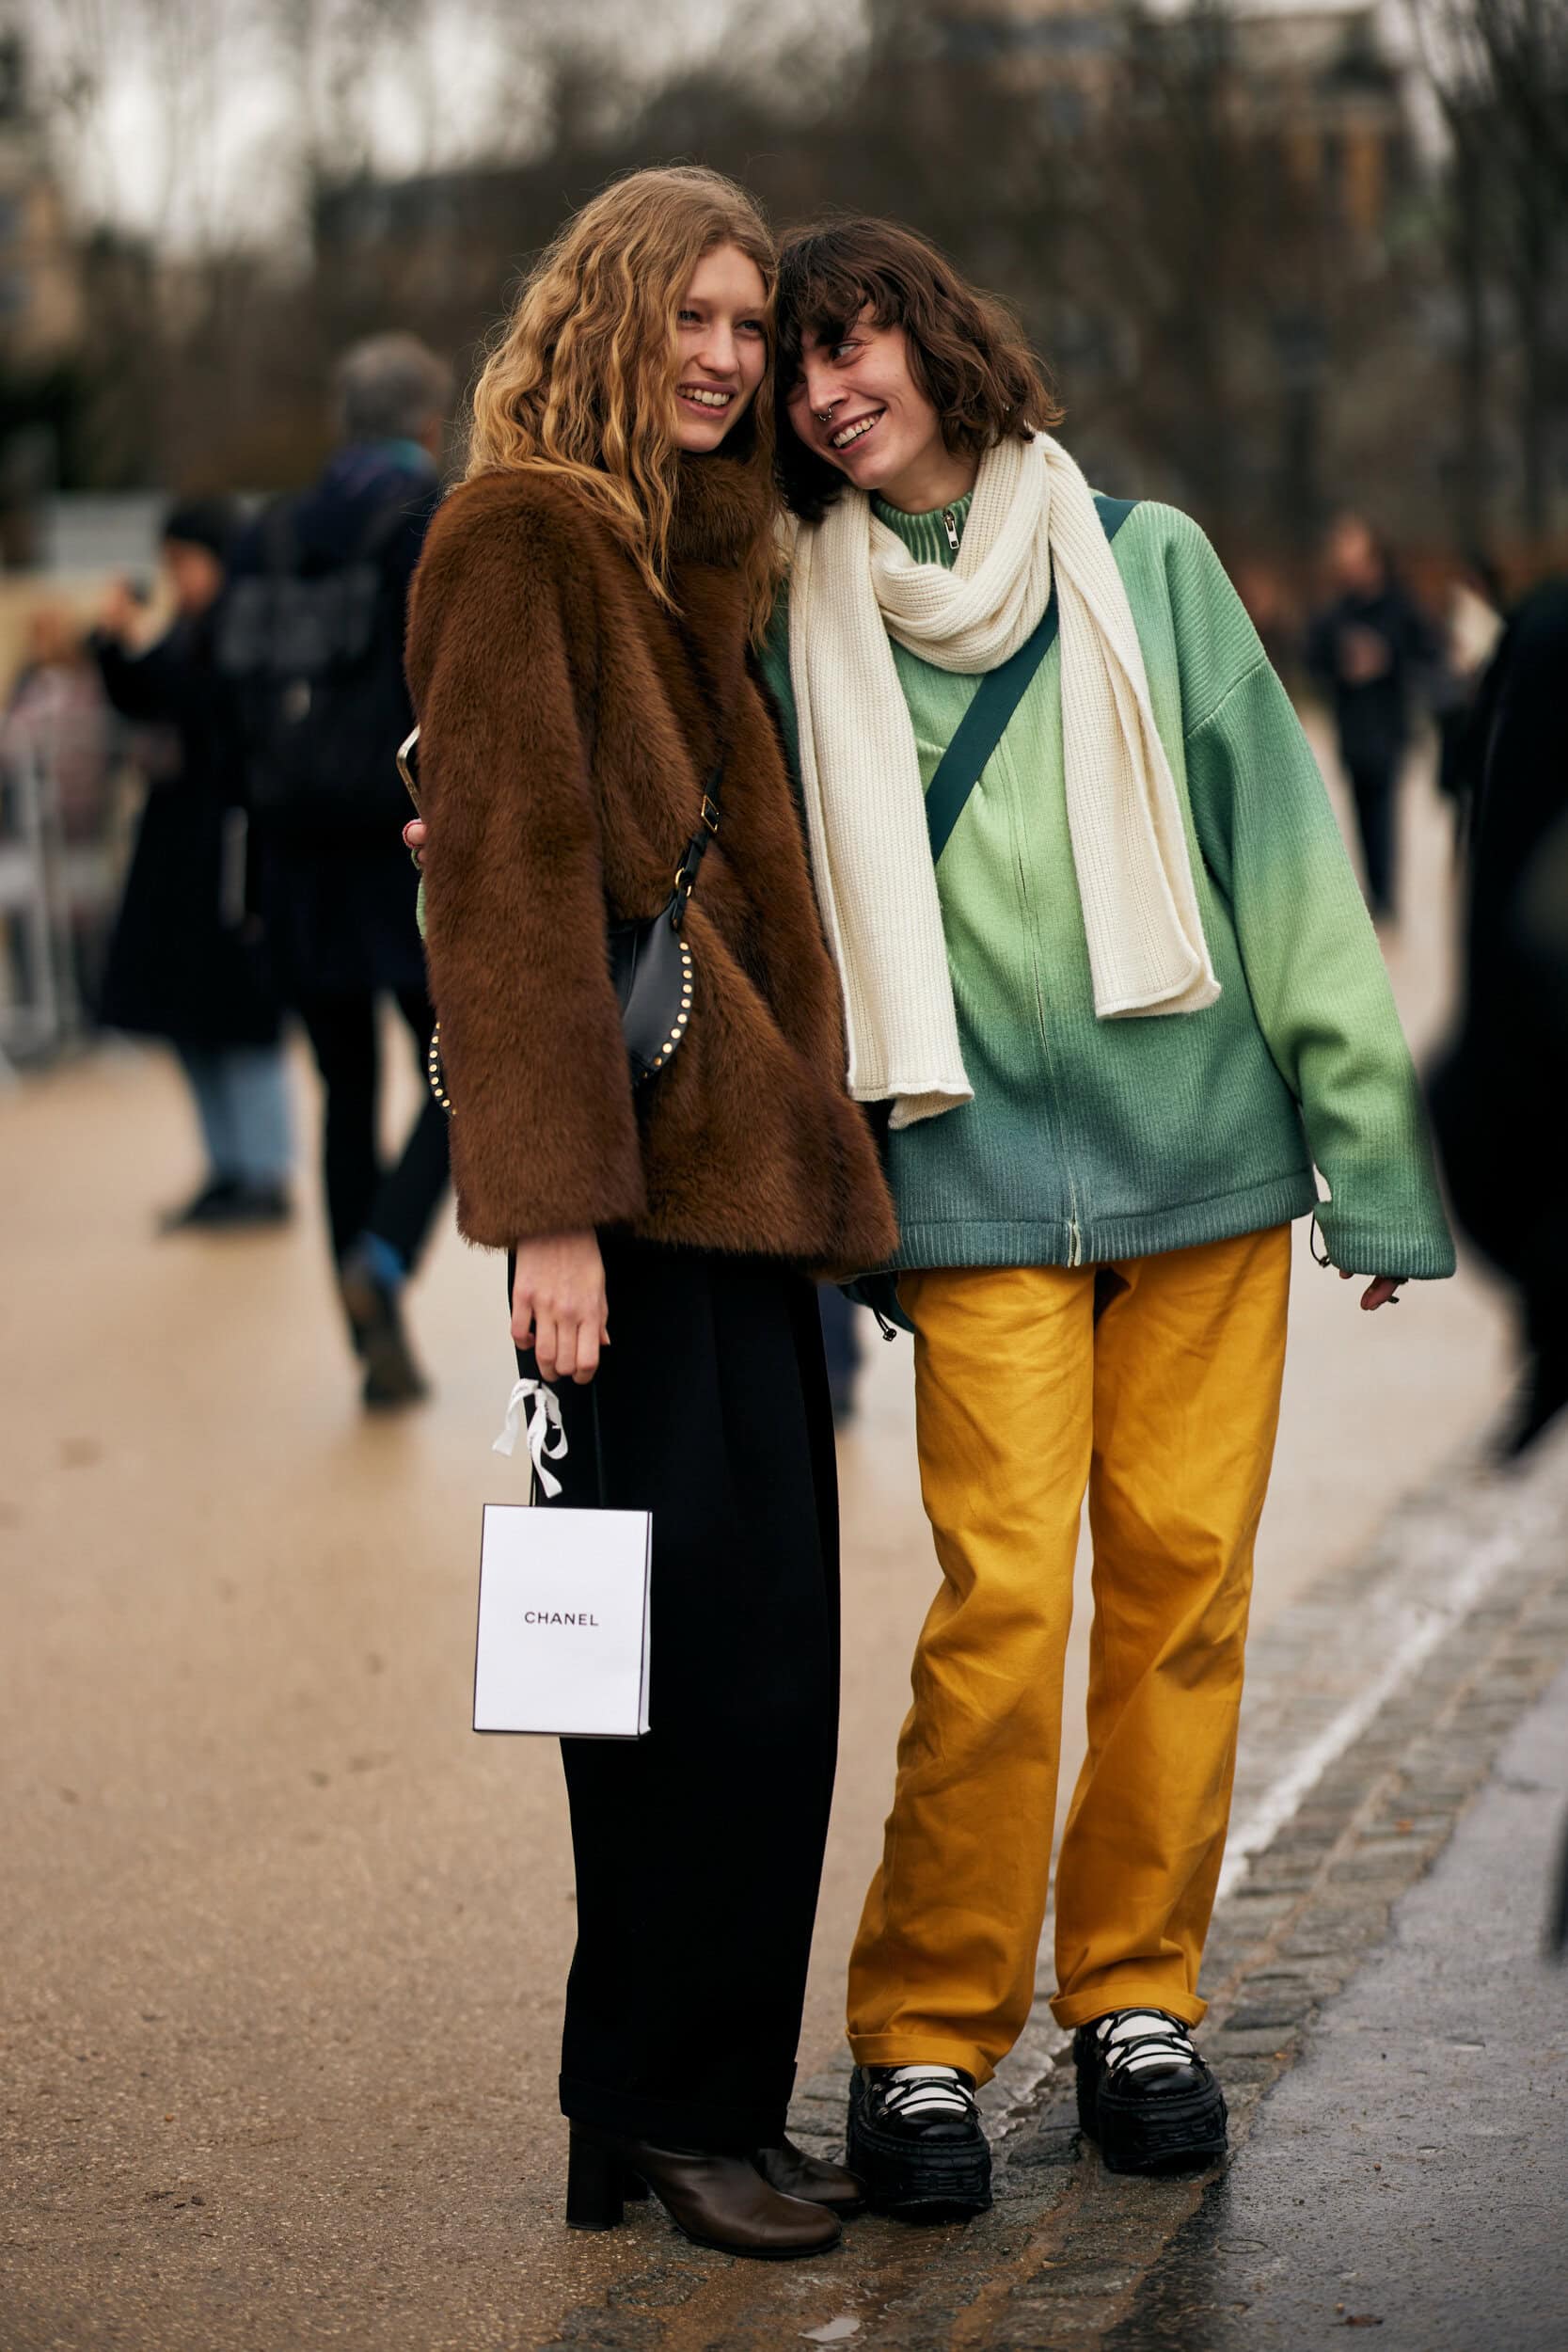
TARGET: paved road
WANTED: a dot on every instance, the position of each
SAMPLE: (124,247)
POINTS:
(284,1943)
(1409,2173)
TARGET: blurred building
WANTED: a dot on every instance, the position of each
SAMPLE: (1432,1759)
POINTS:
(1229,182)
(41,309)
(1328,80)
(40,291)
(426,248)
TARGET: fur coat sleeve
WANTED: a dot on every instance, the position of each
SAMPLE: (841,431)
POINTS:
(544,1135)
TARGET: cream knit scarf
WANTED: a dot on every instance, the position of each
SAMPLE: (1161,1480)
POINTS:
(853,584)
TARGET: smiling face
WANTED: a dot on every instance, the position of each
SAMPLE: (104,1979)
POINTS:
(856,403)
(723,347)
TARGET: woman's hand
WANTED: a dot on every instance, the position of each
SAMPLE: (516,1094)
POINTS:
(416,834)
(558,1304)
(1381,1290)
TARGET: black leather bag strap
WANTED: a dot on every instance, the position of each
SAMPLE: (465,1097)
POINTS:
(650,961)
(710,813)
(984,723)
(707,829)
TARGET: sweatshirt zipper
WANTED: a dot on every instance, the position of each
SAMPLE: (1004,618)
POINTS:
(1074,1230)
(950,524)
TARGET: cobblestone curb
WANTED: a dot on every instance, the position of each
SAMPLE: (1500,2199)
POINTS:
(1386,1692)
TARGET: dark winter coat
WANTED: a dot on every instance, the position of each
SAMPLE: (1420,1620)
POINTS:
(568,728)
(1372,716)
(183,961)
(1499,1093)
(339,914)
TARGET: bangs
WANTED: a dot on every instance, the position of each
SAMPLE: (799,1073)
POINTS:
(822,291)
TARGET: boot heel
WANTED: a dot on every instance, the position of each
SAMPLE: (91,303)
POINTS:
(595,2186)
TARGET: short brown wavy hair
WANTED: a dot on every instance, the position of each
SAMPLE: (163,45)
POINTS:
(968,353)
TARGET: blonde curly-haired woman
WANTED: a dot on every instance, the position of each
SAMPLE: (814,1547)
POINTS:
(581,654)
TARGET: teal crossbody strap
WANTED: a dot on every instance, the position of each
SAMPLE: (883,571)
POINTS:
(984,723)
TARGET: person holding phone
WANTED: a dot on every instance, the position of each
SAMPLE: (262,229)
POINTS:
(186,962)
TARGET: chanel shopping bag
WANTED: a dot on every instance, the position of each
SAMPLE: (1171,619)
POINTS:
(563,1601)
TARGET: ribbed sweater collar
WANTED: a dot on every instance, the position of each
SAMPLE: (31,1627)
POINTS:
(925,535)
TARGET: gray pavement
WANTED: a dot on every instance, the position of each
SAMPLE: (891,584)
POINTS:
(1072,2260)
(1411,2172)
(282,1944)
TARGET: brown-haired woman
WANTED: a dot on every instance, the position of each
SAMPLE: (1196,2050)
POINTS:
(1136,1001)
(580,655)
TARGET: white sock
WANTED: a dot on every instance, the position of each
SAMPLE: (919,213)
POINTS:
(1134,2039)
(929,2091)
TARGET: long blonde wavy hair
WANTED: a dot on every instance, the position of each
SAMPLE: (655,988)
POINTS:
(581,381)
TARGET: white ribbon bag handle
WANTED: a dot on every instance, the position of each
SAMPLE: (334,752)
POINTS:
(543,1406)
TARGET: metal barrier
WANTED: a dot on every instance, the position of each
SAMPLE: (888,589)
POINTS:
(46,884)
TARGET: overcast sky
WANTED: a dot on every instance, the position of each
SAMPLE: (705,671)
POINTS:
(188,118)
(183,117)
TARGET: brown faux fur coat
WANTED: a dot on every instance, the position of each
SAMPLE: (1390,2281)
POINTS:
(565,739)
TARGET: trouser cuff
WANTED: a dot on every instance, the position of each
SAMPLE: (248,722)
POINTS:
(920,2049)
(1080,2009)
(712,2126)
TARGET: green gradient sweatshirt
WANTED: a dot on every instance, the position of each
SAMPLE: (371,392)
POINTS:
(1090,1140)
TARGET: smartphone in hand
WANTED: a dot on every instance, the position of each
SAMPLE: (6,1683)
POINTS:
(408,754)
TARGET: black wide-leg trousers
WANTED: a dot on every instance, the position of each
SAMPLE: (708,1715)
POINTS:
(698,1848)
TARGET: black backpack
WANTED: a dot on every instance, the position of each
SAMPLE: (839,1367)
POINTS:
(315,657)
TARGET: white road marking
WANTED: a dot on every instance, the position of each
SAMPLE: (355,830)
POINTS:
(1426,1623)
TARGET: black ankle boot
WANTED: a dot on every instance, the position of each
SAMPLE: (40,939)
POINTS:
(721,2201)
(922,2156)
(793,2173)
(1144,2095)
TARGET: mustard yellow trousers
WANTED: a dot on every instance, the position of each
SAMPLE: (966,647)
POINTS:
(1154,1385)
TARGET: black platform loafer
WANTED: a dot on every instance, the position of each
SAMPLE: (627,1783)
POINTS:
(915,2140)
(1144,2094)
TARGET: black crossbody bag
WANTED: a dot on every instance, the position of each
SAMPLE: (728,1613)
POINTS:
(650,961)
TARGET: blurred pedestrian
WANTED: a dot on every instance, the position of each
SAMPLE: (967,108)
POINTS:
(579,651)
(1367,650)
(1111,984)
(185,961)
(1262,590)
(57,714)
(314,640)
(1498,1093)
(841,1338)
(1472,626)
(57,735)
